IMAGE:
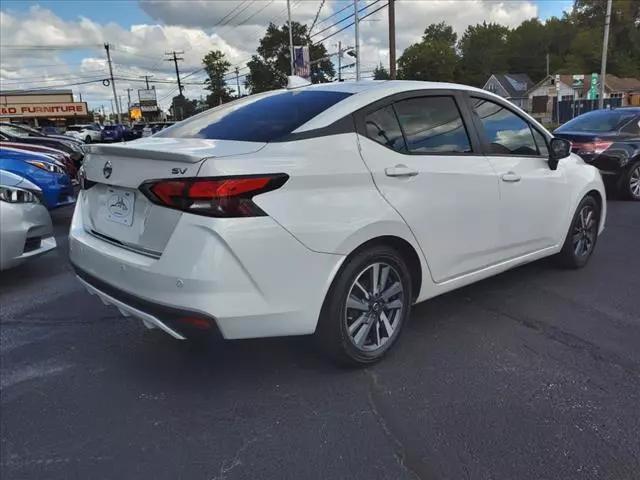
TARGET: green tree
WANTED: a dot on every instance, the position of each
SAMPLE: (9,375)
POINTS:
(381,73)
(623,57)
(560,33)
(527,46)
(434,58)
(216,65)
(483,50)
(268,69)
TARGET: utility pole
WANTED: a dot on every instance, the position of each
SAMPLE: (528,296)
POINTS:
(129,98)
(238,80)
(547,64)
(392,39)
(605,46)
(113,83)
(146,79)
(120,104)
(112,110)
(357,22)
(339,61)
(175,59)
(293,71)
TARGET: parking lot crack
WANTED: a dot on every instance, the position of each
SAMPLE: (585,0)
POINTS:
(407,460)
(235,461)
(569,340)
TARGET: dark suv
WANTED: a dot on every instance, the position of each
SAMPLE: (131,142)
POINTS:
(609,140)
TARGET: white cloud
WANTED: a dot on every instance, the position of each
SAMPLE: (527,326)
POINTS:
(198,26)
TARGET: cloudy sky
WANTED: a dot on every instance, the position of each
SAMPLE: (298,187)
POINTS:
(49,44)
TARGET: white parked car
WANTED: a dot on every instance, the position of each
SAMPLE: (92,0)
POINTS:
(328,209)
(87,133)
(25,225)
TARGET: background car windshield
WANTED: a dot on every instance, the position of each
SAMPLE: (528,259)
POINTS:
(598,121)
(11,130)
(261,120)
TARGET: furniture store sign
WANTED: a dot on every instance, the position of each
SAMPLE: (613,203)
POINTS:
(70,109)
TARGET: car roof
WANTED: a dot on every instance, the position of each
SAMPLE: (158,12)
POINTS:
(366,92)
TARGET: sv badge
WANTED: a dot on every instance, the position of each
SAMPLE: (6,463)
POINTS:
(178,171)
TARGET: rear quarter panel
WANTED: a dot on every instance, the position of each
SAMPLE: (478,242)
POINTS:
(330,203)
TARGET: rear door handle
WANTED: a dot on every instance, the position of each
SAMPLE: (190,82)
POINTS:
(400,171)
(510,177)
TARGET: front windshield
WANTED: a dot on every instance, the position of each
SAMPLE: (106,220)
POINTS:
(598,121)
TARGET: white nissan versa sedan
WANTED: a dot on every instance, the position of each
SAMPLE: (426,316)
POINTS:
(329,208)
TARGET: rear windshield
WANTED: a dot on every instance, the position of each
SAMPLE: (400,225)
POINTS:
(111,127)
(257,120)
(598,121)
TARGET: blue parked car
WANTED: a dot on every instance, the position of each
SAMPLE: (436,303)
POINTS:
(116,133)
(42,170)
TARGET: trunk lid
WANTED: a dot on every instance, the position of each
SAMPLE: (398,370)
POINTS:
(116,211)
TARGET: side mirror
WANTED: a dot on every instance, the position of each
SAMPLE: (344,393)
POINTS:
(559,149)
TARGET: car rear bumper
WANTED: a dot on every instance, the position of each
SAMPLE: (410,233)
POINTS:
(248,277)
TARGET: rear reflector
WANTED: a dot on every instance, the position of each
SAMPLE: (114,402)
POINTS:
(214,197)
(195,322)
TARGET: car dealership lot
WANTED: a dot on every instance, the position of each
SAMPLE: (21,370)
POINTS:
(534,373)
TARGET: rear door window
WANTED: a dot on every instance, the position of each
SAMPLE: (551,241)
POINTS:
(261,119)
(505,132)
(433,125)
(383,127)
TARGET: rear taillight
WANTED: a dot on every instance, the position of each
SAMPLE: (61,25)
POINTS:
(592,148)
(214,197)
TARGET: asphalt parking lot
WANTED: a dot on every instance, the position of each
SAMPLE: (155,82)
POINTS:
(534,374)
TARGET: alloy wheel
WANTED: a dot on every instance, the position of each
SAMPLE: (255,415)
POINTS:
(634,182)
(584,232)
(374,307)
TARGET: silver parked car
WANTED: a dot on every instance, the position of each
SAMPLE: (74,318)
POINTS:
(25,224)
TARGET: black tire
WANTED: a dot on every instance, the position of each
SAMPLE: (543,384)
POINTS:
(332,333)
(575,254)
(629,187)
(87,139)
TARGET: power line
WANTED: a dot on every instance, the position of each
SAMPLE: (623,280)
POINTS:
(334,14)
(239,12)
(353,23)
(55,87)
(344,19)
(51,79)
(229,13)
(50,47)
(317,15)
(254,14)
